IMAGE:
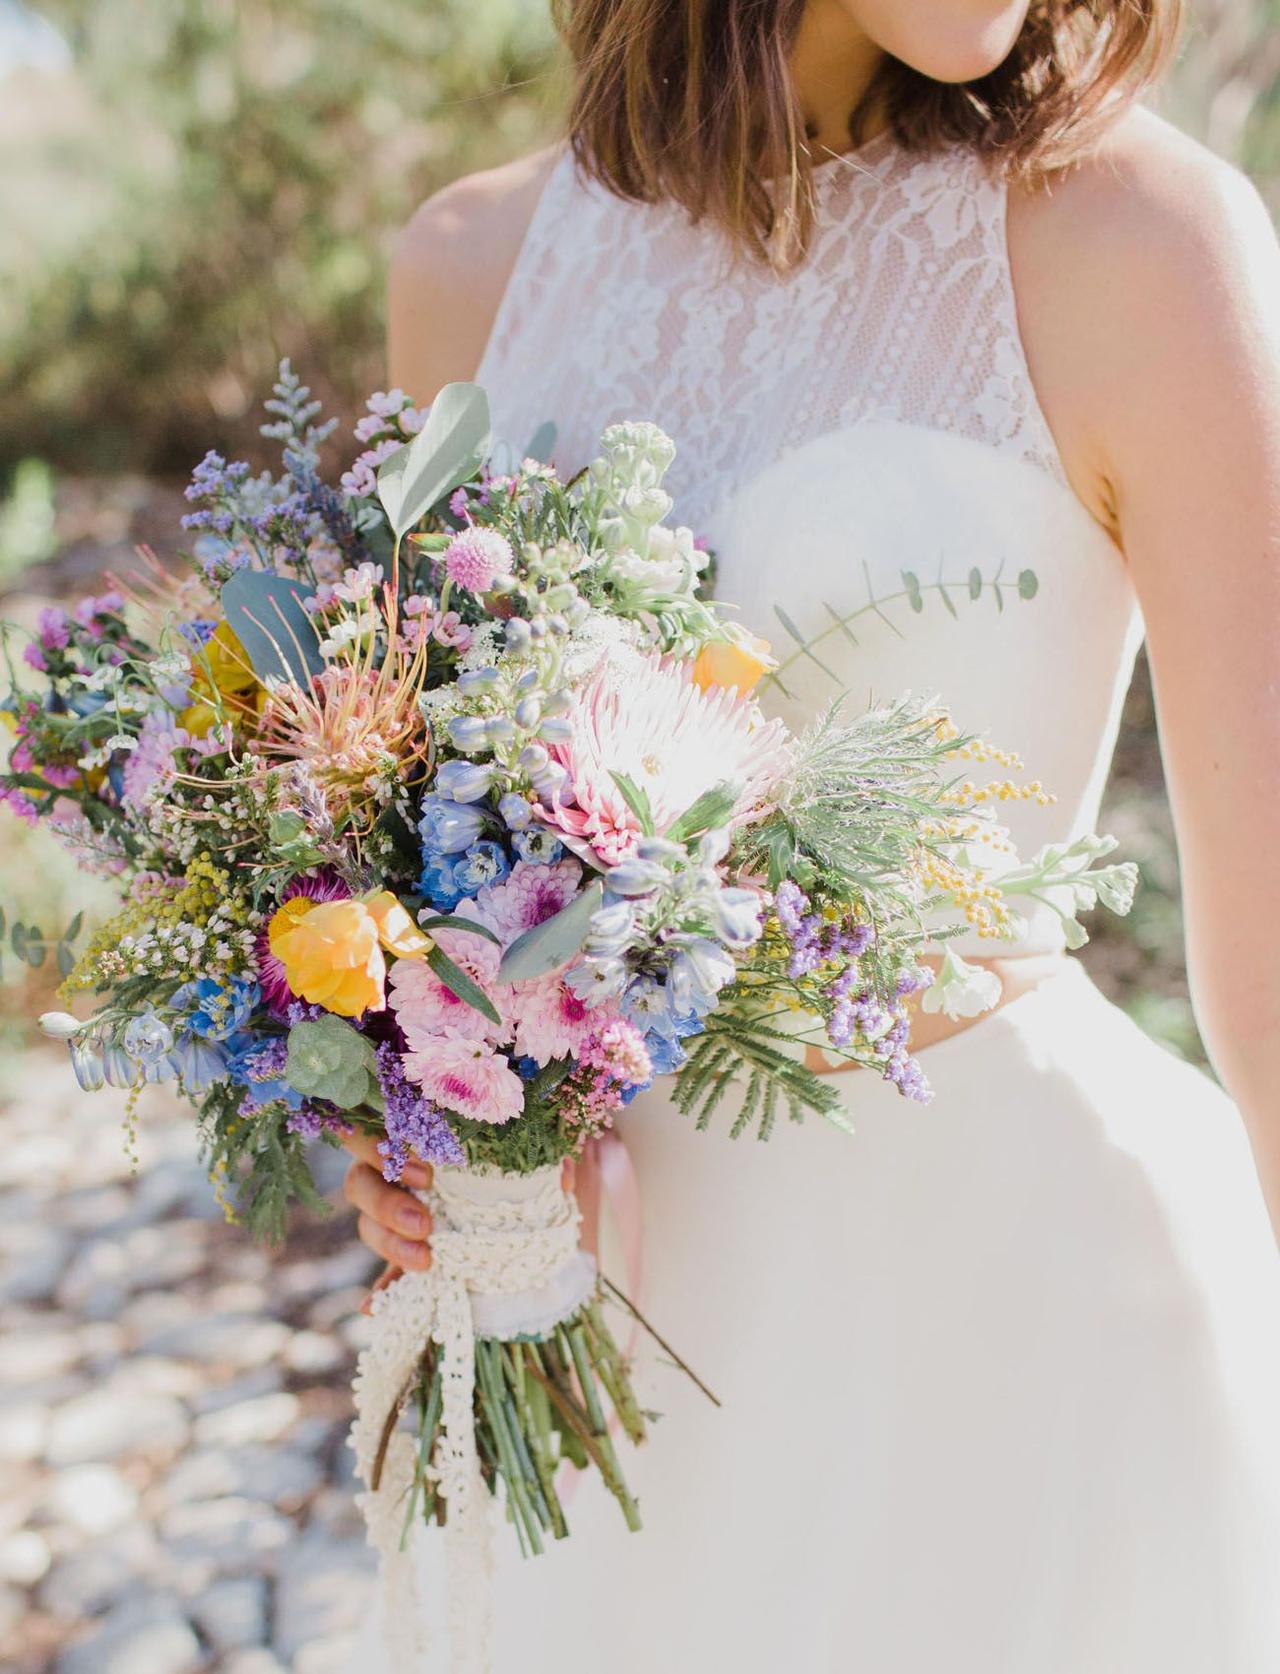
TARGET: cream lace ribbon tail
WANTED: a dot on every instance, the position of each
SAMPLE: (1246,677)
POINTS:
(505,1261)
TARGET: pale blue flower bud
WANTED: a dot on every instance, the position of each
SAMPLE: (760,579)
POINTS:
(514,812)
(635,877)
(120,1067)
(464,781)
(478,680)
(528,713)
(87,1065)
(737,917)
(467,732)
(556,729)
(533,758)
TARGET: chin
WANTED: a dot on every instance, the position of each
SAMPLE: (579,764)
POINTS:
(946,40)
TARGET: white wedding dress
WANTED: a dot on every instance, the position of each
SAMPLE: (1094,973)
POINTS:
(1001,1376)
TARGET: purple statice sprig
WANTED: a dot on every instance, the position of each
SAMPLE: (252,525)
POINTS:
(826,953)
(415,1128)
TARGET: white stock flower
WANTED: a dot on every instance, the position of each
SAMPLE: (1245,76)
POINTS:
(961,989)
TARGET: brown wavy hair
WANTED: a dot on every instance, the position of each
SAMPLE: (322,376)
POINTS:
(692,101)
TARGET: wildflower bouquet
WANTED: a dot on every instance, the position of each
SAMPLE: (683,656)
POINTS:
(445,813)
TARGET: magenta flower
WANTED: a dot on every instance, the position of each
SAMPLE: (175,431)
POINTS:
(467,1077)
(476,558)
(528,896)
(551,1021)
(55,628)
(425,1009)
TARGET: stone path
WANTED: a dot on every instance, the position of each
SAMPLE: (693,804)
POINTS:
(175,1490)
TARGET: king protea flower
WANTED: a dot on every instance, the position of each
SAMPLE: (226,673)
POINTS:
(672,739)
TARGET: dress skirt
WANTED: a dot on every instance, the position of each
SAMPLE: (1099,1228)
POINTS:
(1000,1380)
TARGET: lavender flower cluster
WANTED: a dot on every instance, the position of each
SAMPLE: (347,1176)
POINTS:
(855,1015)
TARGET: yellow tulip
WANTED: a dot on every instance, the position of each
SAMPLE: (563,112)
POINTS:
(739,661)
(396,930)
(331,953)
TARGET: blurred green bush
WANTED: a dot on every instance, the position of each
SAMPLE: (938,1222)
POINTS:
(215,186)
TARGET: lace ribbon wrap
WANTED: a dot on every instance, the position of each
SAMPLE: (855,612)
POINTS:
(505,1263)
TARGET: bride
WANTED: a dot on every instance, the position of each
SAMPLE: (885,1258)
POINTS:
(914,286)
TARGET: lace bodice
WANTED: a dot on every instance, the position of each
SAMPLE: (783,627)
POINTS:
(903,310)
(861,430)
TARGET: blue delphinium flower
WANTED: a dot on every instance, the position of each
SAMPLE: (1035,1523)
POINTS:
(215,1009)
(198,1062)
(439,883)
(537,845)
(484,863)
(448,827)
(258,1066)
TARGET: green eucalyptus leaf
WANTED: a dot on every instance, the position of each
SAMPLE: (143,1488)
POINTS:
(460,984)
(328,1059)
(448,451)
(73,929)
(446,921)
(915,598)
(975,583)
(552,944)
(1028,584)
(268,618)
(66,960)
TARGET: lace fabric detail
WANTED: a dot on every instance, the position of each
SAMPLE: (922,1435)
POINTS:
(903,311)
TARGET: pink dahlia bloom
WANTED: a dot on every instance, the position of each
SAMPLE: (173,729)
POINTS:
(466,1077)
(528,896)
(551,1021)
(323,885)
(476,558)
(425,1008)
(671,738)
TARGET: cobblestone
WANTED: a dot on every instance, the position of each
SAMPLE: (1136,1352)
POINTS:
(175,1494)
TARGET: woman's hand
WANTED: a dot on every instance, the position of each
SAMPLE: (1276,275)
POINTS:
(392,1222)
(397,1227)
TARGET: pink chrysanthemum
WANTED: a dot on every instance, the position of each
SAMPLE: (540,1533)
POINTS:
(551,1021)
(468,1078)
(530,895)
(673,740)
(476,558)
(323,885)
(426,1009)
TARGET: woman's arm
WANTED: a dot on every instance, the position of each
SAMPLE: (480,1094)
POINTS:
(448,272)
(1150,288)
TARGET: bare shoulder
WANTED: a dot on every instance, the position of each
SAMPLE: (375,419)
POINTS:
(1148,195)
(449,268)
(1146,265)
